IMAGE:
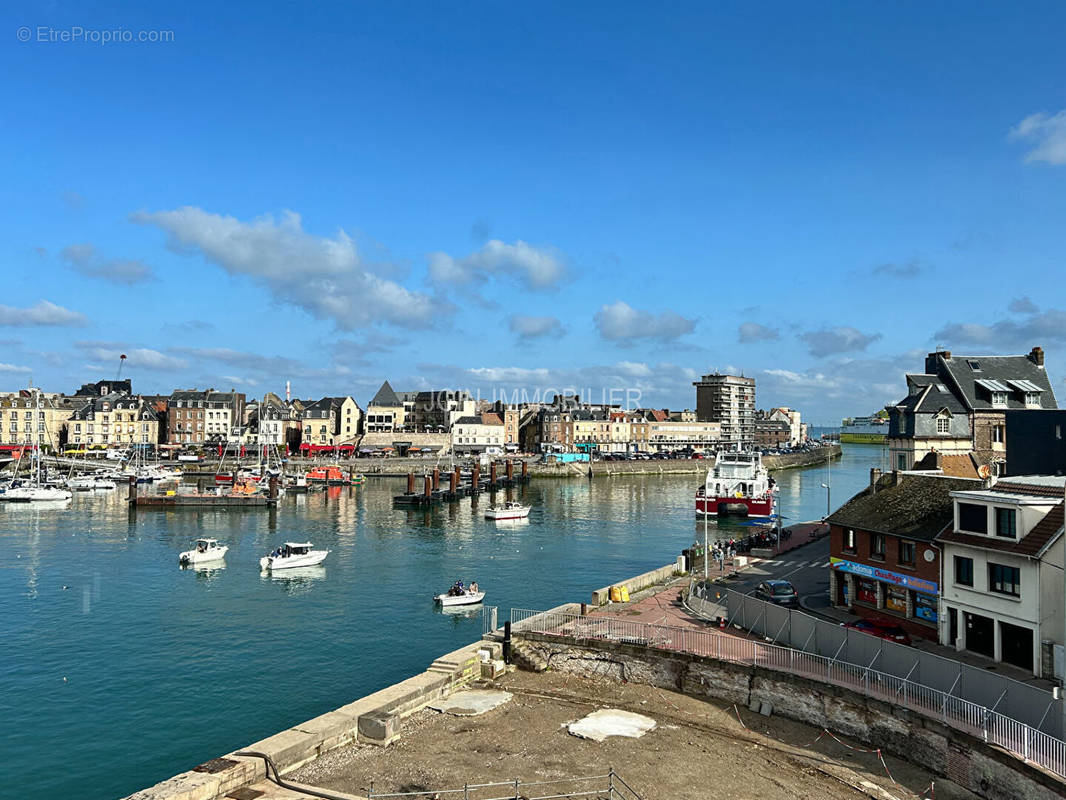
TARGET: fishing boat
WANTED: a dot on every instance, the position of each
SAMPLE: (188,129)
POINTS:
(738,483)
(206,550)
(293,554)
(509,510)
(460,595)
(331,475)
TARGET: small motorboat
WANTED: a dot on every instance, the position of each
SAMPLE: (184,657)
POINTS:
(89,483)
(293,554)
(509,510)
(460,595)
(206,550)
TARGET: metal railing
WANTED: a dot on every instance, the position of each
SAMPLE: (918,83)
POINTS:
(977,720)
(609,786)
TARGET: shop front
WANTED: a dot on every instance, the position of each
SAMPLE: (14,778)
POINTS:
(870,591)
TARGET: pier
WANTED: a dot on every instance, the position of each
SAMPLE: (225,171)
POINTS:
(218,499)
(460,485)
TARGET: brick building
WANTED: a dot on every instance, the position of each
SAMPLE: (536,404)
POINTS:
(884,563)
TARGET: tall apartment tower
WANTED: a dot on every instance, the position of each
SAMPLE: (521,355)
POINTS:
(730,400)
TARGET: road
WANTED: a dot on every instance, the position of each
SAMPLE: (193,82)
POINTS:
(807,567)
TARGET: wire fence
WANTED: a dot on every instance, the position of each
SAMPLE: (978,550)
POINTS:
(986,724)
(609,786)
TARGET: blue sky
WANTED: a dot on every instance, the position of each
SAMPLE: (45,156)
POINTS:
(551,195)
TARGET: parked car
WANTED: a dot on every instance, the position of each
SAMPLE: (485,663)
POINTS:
(881,629)
(778,592)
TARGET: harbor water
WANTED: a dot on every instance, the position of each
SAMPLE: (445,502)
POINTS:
(119,669)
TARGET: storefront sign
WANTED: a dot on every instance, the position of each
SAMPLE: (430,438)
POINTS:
(886,576)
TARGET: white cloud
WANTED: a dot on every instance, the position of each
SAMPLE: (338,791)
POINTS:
(754,332)
(841,339)
(621,322)
(14,368)
(43,314)
(1046,133)
(325,277)
(83,257)
(136,357)
(536,268)
(1023,305)
(526,327)
(1045,326)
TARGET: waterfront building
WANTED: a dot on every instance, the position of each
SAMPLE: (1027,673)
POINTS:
(686,415)
(483,433)
(105,387)
(959,404)
(440,409)
(330,422)
(670,435)
(386,412)
(884,562)
(796,432)
(276,423)
(113,420)
(729,400)
(196,417)
(771,432)
(22,422)
(1002,562)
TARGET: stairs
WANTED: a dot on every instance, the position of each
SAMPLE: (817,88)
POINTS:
(525,659)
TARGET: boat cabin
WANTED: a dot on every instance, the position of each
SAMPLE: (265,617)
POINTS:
(296,549)
(203,545)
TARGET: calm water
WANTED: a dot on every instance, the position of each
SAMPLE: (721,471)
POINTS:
(119,669)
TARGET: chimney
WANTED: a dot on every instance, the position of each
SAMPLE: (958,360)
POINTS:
(931,359)
(1036,355)
(875,476)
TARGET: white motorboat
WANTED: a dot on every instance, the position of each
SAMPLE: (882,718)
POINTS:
(293,554)
(32,494)
(206,550)
(509,510)
(460,595)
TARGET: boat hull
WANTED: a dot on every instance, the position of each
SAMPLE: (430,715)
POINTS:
(30,494)
(468,599)
(502,515)
(191,557)
(291,562)
(735,506)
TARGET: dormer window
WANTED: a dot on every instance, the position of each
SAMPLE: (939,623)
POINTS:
(1032,399)
(973,518)
(943,423)
(999,398)
(1006,523)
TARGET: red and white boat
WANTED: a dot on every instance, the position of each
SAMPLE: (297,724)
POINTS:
(738,483)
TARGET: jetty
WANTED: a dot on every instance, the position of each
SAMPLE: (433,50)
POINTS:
(460,485)
(216,499)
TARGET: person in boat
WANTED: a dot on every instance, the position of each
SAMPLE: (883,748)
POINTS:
(201,547)
(473,587)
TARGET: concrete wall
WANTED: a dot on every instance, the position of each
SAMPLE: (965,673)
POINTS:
(373,719)
(660,575)
(986,771)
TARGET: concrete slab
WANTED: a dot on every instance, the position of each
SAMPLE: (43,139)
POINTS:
(471,703)
(611,722)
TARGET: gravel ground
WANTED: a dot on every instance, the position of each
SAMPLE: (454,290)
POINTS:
(698,750)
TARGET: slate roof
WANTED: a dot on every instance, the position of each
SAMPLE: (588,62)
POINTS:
(960,371)
(1032,545)
(386,397)
(932,396)
(915,507)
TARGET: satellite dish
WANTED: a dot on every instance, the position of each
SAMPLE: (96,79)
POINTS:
(984,471)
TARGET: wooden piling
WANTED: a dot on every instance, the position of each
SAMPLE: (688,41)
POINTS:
(436,478)
(410,483)
(429,487)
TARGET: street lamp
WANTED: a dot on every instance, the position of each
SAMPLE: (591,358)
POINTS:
(826,487)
